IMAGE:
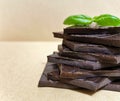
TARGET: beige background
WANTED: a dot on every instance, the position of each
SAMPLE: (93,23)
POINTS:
(35,20)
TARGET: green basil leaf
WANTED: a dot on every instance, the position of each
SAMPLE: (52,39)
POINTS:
(80,20)
(107,20)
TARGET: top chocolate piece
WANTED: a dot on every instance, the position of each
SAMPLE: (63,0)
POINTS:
(89,31)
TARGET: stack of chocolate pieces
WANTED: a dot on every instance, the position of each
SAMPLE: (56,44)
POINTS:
(88,58)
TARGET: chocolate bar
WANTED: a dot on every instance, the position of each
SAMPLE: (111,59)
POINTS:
(85,64)
(102,39)
(64,51)
(75,72)
(88,83)
(88,30)
(91,48)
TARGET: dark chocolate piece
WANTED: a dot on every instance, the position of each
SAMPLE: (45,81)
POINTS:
(44,82)
(64,51)
(91,48)
(114,86)
(85,64)
(105,39)
(59,35)
(88,30)
(75,72)
(88,83)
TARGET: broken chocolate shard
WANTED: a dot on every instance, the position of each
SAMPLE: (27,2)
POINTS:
(114,86)
(91,48)
(64,51)
(88,83)
(85,64)
(104,39)
(58,34)
(88,30)
(71,72)
(44,82)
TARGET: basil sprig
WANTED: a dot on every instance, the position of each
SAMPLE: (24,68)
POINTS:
(107,20)
(80,20)
(84,20)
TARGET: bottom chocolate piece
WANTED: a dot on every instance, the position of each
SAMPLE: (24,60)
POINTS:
(44,82)
(88,83)
(114,86)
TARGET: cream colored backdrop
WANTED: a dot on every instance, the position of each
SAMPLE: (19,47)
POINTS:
(35,20)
